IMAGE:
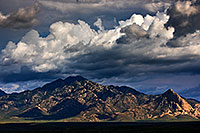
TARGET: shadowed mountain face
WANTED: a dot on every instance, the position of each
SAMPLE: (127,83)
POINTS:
(82,100)
(2,93)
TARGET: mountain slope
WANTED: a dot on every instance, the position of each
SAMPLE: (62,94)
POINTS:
(2,93)
(83,100)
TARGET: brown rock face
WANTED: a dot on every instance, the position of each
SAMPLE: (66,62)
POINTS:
(78,99)
(180,102)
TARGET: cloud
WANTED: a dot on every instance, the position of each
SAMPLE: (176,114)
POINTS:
(99,24)
(186,8)
(149,52)
(20,86)
(184,17)
(136,50)
(67,40)
(184,41)
(20,19)
(90,10)
(87,6)
(10,87)
(191,92)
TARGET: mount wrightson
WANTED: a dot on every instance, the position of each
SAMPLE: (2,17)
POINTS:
(78,99)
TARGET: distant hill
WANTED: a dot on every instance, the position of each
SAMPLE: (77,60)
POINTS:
(79,99)
(2,93)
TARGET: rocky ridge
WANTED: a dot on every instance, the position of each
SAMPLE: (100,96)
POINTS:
(79,99)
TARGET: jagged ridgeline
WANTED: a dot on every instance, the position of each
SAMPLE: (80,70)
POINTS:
(79,99)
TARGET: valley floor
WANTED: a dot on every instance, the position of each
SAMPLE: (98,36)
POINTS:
(136,127)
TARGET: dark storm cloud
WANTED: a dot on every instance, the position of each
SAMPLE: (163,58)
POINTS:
(28,76)
(25,74)
(98,6)
(184,17)
(120,62)
(191,92)
(108,10)
(20,19)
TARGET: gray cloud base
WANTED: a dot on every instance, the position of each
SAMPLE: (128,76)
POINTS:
(21,19)
(79,49)
(184,17)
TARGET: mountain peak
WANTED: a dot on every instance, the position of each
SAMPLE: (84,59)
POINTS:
(170,91)
(171,95)
(174,97)
(59,83)
(71,79)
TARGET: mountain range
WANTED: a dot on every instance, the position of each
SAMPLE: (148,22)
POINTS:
(79,99)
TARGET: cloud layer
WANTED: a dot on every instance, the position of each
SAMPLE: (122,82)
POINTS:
(87,6)
(20,86)
(67,41)
(22,18)
(137,47)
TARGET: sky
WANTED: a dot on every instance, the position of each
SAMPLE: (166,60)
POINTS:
(150,45)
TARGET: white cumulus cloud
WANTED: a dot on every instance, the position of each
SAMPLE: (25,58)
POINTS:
(65,39)
(78,49)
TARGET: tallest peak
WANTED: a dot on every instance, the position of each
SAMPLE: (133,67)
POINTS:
(74,78)
(170,90)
